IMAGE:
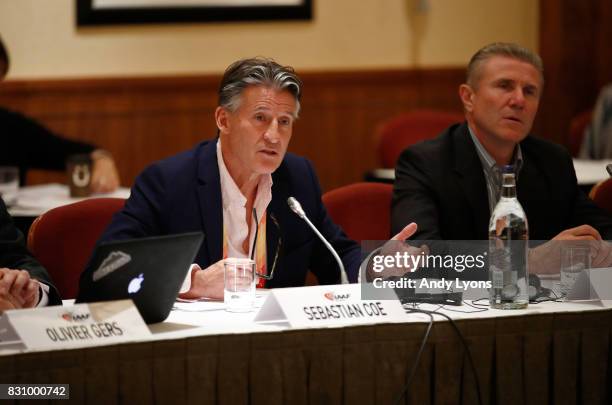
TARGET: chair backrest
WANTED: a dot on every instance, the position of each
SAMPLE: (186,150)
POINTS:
(601,194)
(578,124)
(397,133)
(62,239)
(361,209)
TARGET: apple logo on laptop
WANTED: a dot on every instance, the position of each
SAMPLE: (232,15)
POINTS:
(135,284)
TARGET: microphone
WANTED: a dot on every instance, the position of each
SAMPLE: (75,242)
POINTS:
(296,207)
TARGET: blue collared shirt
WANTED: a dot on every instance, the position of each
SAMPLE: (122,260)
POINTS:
(493,171)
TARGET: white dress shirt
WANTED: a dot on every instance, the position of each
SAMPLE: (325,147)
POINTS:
(234,208)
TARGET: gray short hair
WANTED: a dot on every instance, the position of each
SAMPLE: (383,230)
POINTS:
(257,72)
(509,50)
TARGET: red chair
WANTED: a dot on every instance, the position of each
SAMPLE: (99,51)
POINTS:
(363,210)
(601,193)
(63,238)
(576,132)
(406,129)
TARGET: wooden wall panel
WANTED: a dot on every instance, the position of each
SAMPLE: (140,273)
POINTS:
(141,120)
(577,53)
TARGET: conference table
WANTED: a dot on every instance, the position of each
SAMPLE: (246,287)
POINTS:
(33,201)
(549,353)
(588,173)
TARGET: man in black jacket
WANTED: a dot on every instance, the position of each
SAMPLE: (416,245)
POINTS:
(27,144)
(450,185)
(24,283)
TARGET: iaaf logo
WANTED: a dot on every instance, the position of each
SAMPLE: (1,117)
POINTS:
(71,316)
(336,297)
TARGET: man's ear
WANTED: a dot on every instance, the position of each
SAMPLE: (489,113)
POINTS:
(466,94)
(222,119)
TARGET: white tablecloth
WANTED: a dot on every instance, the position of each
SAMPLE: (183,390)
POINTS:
(33,201)
(588,172)
(202,318)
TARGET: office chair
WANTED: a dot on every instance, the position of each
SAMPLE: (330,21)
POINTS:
(399,132)
(62,239)
(363,210)
(578,125)
(601,194)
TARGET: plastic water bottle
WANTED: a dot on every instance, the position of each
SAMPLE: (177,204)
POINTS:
(508,244)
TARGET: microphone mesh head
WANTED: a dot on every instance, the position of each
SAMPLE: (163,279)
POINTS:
(295,206)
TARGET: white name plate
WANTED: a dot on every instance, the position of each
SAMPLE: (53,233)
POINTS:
(331,305)
(80,325)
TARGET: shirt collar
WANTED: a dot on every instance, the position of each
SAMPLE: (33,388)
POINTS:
(488,163)
(230,192)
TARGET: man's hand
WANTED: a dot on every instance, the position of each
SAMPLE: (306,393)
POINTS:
(7,300)
(17,289)
(104,177)
(582,232)
(547,258)
(394,246)
(407,232)
(210,282)
(206,283)
(601,251)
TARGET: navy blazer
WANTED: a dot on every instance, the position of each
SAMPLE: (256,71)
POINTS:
(441,186)
(183,194)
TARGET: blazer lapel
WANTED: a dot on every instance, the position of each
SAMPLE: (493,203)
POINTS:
(209,196)
(277,209)
(468,168)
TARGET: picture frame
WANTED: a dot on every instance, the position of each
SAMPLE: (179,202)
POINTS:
(112,12)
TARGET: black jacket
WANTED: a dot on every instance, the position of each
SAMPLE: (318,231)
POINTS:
(15,255)
(441,186)
(27,144)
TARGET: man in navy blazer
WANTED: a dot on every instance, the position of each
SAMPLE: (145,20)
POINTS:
(236,184)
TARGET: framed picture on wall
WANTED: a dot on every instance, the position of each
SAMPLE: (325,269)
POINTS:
(102,12)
